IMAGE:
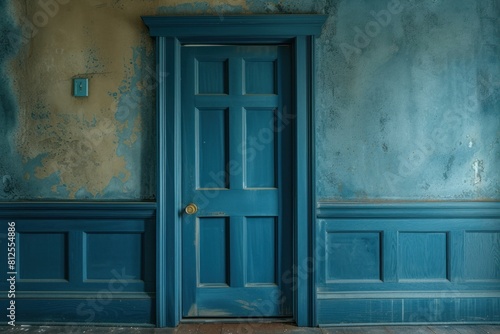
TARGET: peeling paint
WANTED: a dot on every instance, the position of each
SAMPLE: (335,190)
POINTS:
(414,116)
(73,148)
(478,168)
(137,94)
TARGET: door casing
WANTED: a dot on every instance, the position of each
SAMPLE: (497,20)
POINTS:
(171,32)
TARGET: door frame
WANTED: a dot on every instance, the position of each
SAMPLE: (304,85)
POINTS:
(171,32)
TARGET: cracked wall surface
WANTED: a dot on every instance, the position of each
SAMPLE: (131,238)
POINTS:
(407,97)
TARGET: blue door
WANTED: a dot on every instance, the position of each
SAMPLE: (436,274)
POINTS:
(237,128)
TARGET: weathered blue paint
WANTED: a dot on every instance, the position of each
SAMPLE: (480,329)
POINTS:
(20,175)
(406,110)
(408,101)
(83,194)
(136,144)
(8,104)
(135,106)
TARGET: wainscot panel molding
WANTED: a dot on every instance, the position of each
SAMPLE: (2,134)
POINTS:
(81,262)
(15,210)
(436,262)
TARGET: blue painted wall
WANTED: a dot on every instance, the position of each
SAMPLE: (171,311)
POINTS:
(407,104)
(408,101)
(8,101)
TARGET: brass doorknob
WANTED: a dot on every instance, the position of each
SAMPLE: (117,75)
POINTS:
(191,209)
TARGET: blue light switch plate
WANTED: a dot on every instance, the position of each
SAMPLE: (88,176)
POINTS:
(80,87)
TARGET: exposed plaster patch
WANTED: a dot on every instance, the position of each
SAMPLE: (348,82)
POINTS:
(478,168)
(75,141)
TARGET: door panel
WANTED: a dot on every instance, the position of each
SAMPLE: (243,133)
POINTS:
(213,247)
(260,77)
(212,76)
(211,130)
(261,153)
(261,251)
(237,248)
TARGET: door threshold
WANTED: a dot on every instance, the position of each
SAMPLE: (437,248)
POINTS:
(236,320)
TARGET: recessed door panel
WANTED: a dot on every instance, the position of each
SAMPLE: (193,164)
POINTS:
(261,252)
(260,76)
(211,129)
(260,157)
(213,248)
(212,76)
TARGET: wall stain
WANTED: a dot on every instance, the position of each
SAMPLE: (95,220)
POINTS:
(383,121)
(478,168)
(448,167)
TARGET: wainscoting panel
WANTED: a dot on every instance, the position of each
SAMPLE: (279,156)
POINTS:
(408,263)
(81,262)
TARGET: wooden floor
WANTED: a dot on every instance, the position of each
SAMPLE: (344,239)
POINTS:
(259,328)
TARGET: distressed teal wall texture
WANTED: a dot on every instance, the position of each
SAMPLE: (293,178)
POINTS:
(407,97)
(408,101)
